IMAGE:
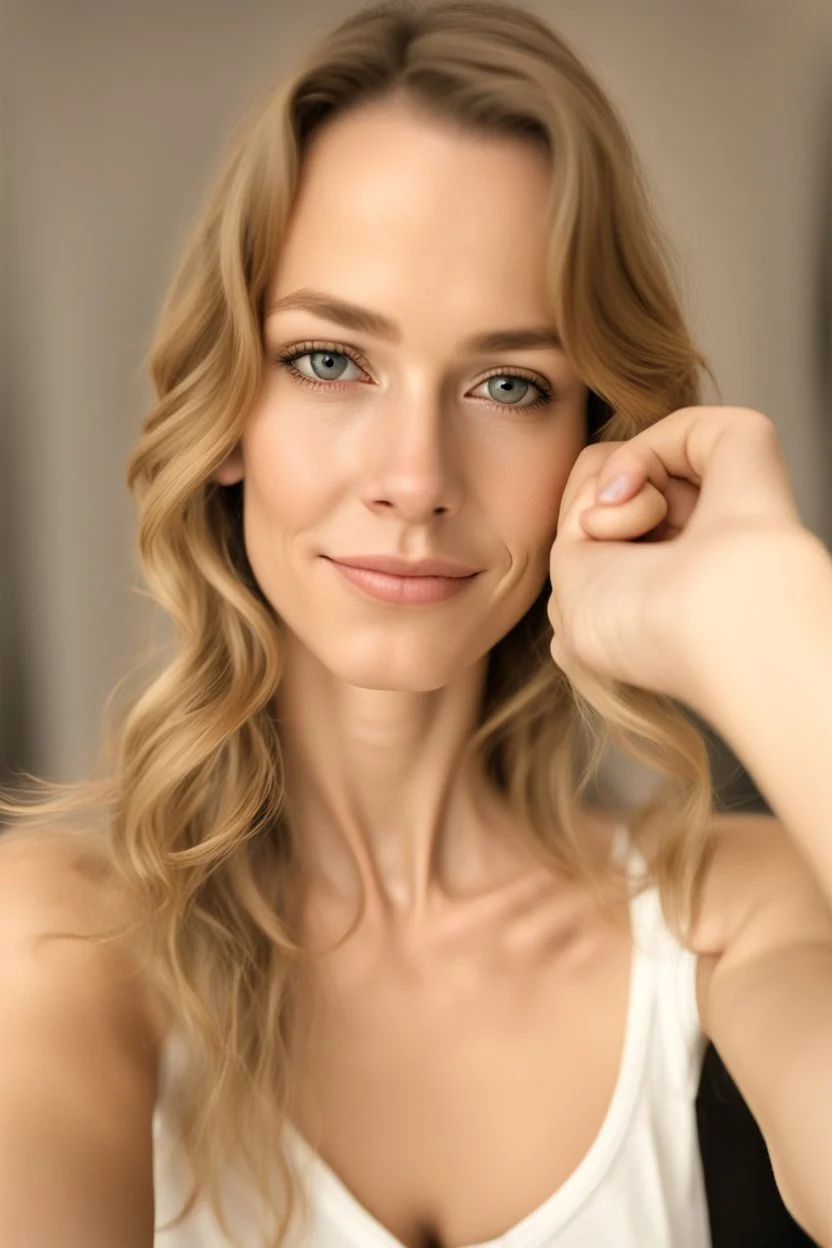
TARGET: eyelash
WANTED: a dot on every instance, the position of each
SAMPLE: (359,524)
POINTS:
(287,360)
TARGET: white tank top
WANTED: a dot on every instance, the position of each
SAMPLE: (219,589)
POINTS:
(640,1183)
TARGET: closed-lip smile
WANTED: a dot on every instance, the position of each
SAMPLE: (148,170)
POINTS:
(405,567)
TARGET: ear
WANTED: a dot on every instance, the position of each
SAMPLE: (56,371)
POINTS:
(231,470)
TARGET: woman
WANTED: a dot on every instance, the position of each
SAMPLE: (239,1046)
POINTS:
(359,952)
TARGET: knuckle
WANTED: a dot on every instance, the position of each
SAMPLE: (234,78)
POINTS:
(766,424)
(753,417)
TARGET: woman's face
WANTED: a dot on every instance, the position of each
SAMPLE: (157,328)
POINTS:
(394,432)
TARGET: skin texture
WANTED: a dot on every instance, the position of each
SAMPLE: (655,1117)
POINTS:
(409,452)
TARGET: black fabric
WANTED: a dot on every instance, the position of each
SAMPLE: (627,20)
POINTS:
(744,1206)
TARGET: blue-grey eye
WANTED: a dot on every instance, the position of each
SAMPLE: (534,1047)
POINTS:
(330,363)
(514,389)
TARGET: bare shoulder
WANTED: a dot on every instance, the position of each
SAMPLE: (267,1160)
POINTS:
(79,1075)
(759,895)
(757,879)
(51,884)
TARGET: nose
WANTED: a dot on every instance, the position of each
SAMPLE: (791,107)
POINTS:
(413,458)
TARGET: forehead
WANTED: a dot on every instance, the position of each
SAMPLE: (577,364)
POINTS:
(388,198)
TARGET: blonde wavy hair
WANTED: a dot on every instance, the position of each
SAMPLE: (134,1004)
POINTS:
(189,820)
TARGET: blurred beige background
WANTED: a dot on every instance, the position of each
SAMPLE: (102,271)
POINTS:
(112,115)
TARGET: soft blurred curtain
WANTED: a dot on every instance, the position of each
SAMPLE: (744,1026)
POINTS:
(111,116)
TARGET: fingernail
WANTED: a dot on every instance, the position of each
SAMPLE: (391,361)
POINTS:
(615,490)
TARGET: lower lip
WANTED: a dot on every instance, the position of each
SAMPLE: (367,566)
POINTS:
(407,590)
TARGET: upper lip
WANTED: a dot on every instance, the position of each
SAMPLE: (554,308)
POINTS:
(405,567)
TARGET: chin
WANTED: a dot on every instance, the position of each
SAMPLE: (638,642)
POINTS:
(396,666)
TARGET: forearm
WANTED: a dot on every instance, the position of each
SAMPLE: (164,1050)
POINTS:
(764,682)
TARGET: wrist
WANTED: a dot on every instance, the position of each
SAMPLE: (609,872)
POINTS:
(763,598)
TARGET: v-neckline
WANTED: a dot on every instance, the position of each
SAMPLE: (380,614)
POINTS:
(356,1221)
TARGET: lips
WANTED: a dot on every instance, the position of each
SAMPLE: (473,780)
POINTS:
(394,566)
(403,591)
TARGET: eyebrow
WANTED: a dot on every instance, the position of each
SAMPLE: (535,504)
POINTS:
(366,321)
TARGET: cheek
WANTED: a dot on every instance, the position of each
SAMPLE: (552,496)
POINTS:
(528,496)
(285,485)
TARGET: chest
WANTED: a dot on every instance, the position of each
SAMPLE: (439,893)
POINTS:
(458,1089)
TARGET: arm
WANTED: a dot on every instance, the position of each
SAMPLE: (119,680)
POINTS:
(763,647)
(77,1074)
(765,1000)
(764,662)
